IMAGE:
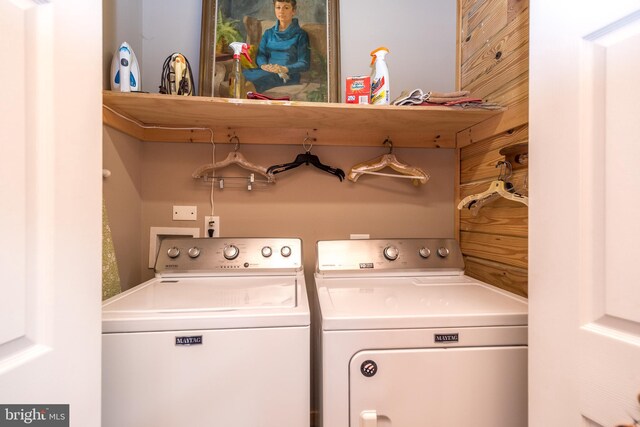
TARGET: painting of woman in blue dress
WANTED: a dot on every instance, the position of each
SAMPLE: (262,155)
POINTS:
(284,51)
(289,46)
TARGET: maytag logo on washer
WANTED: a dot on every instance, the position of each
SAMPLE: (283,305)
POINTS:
(442,338)
(366,265)
(193,340)
(34,415)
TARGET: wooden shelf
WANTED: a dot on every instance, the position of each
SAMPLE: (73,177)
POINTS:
(283,122)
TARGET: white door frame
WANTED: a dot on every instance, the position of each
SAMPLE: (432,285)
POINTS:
(50,155)
(584,331)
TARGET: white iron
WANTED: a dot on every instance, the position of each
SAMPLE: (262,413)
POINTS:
(125,71)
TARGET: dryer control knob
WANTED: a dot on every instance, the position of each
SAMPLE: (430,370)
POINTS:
(267,251)
(425,252)
(285,251)
(391,253)
(194,252)
(443,252)
(369,368)
(173,252)
(231,252)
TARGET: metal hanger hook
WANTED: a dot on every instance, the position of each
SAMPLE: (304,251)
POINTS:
(506,170)
(390,144)
(237,140)
(304,143)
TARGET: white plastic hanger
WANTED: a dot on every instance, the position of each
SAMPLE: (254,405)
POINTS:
(371,167)
(234,158)
(497,188)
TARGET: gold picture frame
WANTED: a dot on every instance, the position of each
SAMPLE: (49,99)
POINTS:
(249,19)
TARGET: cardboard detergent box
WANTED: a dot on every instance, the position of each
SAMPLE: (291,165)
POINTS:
(358,90)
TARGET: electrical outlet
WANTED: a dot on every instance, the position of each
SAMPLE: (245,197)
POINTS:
(185,213)
(212,226)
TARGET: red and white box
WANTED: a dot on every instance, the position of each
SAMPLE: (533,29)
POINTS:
(358,90)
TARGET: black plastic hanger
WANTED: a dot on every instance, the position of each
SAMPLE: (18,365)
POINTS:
(306,158)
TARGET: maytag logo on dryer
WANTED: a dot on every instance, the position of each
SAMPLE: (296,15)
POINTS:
(366,265)
(446,338)
(193,340)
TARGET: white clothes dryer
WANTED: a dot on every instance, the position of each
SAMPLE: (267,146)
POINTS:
(220,337)
(406,339)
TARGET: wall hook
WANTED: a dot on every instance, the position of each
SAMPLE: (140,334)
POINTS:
(388,143)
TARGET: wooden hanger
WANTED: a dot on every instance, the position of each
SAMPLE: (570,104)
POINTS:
(497,188)
(371,167)
(234,158)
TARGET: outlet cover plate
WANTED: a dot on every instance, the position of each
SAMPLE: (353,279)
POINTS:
(215,226)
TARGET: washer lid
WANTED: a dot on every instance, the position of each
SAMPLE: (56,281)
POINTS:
(416,302)
(208,303)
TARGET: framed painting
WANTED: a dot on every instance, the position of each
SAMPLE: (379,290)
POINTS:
(293,45)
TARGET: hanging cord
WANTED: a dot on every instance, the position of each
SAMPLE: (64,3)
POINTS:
(140,125)
(213,162)
(213,144)
(165,77)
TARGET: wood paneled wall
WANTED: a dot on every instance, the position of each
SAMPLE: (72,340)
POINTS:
(494,65)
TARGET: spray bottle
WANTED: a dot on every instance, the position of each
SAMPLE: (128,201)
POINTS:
(379,77)
(237,87)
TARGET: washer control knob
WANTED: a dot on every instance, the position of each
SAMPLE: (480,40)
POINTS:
(173,252)
(391,253)
(285,251)
(194,252)
(267,251)
(443,252)
(231,252)
(425,252)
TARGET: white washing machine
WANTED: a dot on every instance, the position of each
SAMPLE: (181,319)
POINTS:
(220,337)
(408,340)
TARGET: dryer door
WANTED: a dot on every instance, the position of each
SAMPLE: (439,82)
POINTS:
(479,386)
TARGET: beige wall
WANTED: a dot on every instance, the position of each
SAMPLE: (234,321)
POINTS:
(149,178)
(122,157)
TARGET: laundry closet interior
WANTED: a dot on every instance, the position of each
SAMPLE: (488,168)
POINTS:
(150,167)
